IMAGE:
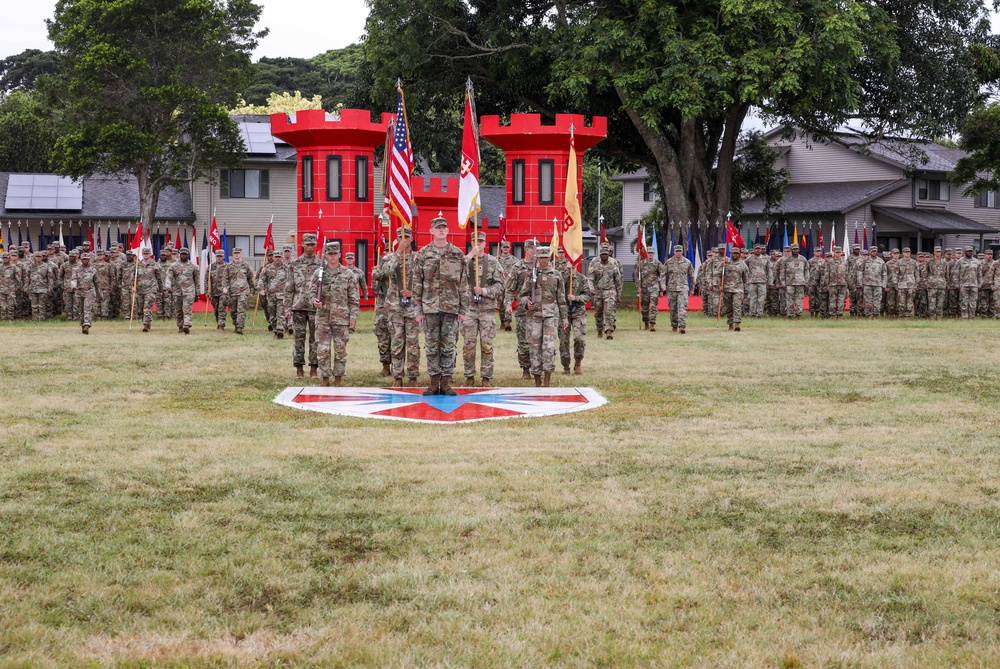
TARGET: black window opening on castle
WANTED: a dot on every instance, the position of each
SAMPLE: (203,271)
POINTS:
(517,176)
(333,178)
(361,258)
(307,178)
(546,181)
(244,184)
(361,178)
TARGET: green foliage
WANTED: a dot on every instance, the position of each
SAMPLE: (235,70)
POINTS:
(20,71)
(331,75)
(27,133)
(979,172)
(276,103)
(145,85)
(754,174)
(611,196)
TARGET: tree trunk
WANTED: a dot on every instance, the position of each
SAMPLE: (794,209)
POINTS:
(727,154)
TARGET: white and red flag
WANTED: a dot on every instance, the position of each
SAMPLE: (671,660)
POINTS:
(468,184)
(213,236)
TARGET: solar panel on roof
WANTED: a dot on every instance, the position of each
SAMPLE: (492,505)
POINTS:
(257,137)
(47,192)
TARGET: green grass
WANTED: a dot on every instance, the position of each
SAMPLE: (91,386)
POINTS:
(796,495)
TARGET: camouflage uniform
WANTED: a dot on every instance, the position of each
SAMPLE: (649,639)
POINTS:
(794,279)
(237,284)
(678,272)
(952,292)
(216,281)
(813,290)
(271,284)
(547,313)
(822,304)
(126,279)
(149,285)
(299,302)
(86,285)
(581,289)
(105,278)
(872,276)
(509,264)
(358,274)
(732,296)
(773,302)
(835,282)
(969,276)
(890,303)
(704,284)
(648,278)
(66,281)
(986,288)
(10,283)
(715,269)
(165,300)
(920,295)
(521,274)
(403,326)
(937,284)
(906,285)
(25,260)
(41,281)
(182,282)
(759,268)
(995,287)
(382,326)
(855,289)
(607,280)
(118,264)
(440,294)
(339,294)
(480,317)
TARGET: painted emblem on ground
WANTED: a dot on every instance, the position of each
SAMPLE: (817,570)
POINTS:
(471,404)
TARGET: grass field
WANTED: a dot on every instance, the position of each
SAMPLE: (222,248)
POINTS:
(795,495)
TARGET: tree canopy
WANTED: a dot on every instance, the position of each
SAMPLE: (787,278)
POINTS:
(20,71)
(331,75)
(144,88)
(27,133)
(677,78)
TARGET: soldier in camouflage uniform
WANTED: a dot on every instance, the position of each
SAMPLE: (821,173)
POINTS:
(66,281)
(814,278)
(607,280)
(85,289)
(148,285)
(521,273)
(732,292)
(336,300)
(405,330)
(920,294)
(299,306)
(648,279)
(105,278)
(855,290)
(758,278)
(679,273)
(835,283)
(126,278)
(772,301)
(271,285)
(969,276)
(715,268)
(704,283)
(441,296)
(41,281)
(349,263)
(906,284)
(182,282)
(995,288)
(237,284)
(872,276)
(986,287)
(794,281)
(117,261)
(509,265)
(545,300)
(10,283)
(890,303)
(951,303)
(480,317)
(579,290)
(216,282)
(165,301)
(381,325)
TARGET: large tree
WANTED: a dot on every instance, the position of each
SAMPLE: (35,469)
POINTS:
(145,85)
(27,133)
(677,77)
(20,71)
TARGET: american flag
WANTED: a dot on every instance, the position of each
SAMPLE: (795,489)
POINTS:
(401,166)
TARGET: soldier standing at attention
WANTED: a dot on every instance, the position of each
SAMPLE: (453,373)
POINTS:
(117,261)
(822,293)
(508,267)
(969,276)
(648,279)
(299,306)
(85,285)
(10,283)
(578,292)
(381,326)
(41,281)
(545,299)
(66,281)
(794,279)
(986,287)
(952,290)
(480,318)
(217,279)
(703,282)
(404,329)
(105,279)
(890,305)
(872,276)
(855,289)
(350,265)
(772,303)
(165,301)
(522,273)
(607,280)
(758,278)
(814,277)
(732,296)
(906,284)
(678,271)
(937,283)
(441,296)
(126,277)
(182,282)
(271,284)
(835,282)
(336,298)
(237,284)
(148,285)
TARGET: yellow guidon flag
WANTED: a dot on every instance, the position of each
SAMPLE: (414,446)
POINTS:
(554,244)
(573,222)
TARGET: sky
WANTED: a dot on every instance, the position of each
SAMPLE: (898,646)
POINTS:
(299,28)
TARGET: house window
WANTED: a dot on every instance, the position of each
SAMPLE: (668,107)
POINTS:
(517,249)
(987,200)
(546,181)
(245,184)
(647,192)
(307,178)
(333,178)
(517,190)
(932,190)
(258,245)
(241,242)
(361,178)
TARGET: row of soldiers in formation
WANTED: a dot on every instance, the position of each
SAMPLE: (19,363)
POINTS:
(931,285)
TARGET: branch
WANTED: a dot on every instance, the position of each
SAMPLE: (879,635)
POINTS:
(483,51)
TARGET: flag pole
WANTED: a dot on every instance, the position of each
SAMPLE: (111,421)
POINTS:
(638,292)
(135,283)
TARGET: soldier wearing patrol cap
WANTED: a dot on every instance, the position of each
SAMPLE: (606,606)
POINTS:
(441,298)
(148,285)
(986,287)
(271,289)
(41,281)
(65,280)
(126,278)
(835,283)
(381,326)
(480,326)
(86,287)
(545,301)
(855,289)
(680,284)
(216,281)
(10,283)
(648,278)
(872,277)
(607,280)
(237,284)
(349,262)
(508,267)
(404,331)
(335,292)
(105,279)
(299,306)
(969,274)
(758,278)
(181,281)
(165,300)
(794,280)
(905,280)
(522,273)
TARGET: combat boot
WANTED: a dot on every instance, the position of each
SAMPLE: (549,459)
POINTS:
(736,329)
(325,382)
(730,327)
(566,370)
(411,382)
(239,331)
(524,374)
(86,329)
(397,382)
(145,327)
(187,330)
(652,327)
(683,331)
(487,383)
(220,327)
(312,371)
(673,329)
(470,382)
(609,337)
(385,370)
(547,380)
(645,326)
(432,389)
(337,383)
(299,374)
(180,330)
(578,368)
(538,380)
(445,386)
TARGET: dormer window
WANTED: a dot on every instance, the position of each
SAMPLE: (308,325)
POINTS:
(932,190)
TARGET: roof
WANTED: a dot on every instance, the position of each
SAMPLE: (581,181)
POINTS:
(938,221)
(106,197)
(827,197)
(493,202)
(641,174)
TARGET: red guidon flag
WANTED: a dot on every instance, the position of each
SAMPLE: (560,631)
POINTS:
(268,239)
(213,236)
(468,184)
